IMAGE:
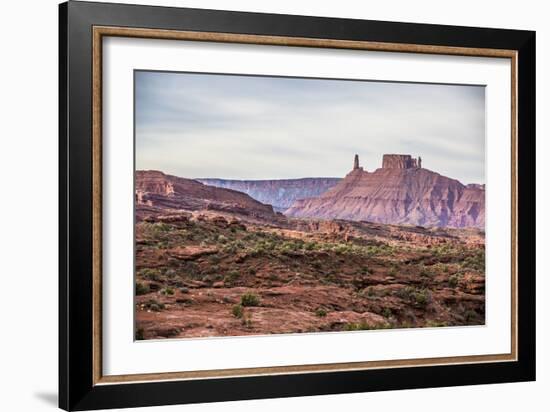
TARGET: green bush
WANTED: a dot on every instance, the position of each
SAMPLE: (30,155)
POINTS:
(436,324)
(470,315)
(232,276)
(250,299)
(475,262)
(353,326)
(140,334)
(153,305)
(163,227)
(422,297)
(141,289)
(167,291)
(321,312)
(454,280)
(150,274)
(214,259)
(237,311)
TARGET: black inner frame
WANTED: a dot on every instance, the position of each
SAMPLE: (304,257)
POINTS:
(76,388)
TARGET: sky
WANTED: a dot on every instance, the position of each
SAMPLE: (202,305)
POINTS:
(252,127)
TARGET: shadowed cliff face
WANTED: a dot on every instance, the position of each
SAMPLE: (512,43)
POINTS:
(281,194)
(398,193)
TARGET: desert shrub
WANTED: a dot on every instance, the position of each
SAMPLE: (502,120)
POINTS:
(423,271)
(365,270)
(454,280)
(386,312)
(353,326)
(262,248)
(310,246)
(422,297)
(233,246)
(406,292)
(381,249)
(237,311)
(141,289)
(290,246)
(470,315)
(317,265)
(191,270)
(344,249)
(150,274)
(214,259)
(475,262)
(162,227)
(167,291)
(154,305)
(329,278)
(155,231)
(184,290)
(436,324)
(250,299)
(232,275)
(230,248)
(140,334)
(251,237)
(321,312)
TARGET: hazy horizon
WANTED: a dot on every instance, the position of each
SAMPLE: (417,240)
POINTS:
(272,128)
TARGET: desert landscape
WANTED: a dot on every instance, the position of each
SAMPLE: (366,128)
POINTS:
(400,246)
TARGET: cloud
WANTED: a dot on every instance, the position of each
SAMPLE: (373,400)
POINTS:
(252,127)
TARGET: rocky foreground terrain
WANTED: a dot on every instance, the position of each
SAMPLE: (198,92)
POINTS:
(215,262)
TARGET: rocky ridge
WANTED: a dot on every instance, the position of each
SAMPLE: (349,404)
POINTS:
(157,190)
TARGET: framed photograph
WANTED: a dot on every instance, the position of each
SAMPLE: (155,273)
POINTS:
(256,205)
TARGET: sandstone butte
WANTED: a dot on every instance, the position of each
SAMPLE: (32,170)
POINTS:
(400,192)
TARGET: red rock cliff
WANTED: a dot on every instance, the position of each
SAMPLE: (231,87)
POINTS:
(400,192)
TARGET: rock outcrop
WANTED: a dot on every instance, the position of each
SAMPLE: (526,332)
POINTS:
(281,194)
(401,192)
(399,161)
(159,190)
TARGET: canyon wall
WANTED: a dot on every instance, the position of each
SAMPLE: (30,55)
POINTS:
(281,194)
